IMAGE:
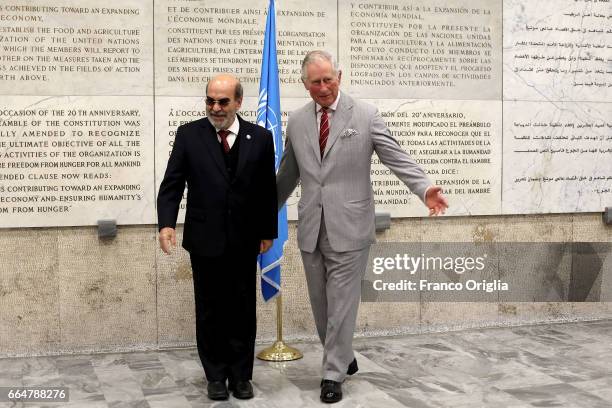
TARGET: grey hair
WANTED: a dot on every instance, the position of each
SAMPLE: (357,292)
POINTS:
(318,55)
(238,92)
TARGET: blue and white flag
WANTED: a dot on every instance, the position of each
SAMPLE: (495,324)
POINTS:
(269,116)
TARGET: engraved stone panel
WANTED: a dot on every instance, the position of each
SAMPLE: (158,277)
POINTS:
(557,50)
(457,143)
(76,47)
(413,49)
(557,157)
(196,40)
(75,160)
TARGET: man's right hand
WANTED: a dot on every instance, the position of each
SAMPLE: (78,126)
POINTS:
(167,239)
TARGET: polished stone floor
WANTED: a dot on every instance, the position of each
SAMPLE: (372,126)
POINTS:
(561,365)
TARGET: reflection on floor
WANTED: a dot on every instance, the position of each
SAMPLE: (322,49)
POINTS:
(561,365)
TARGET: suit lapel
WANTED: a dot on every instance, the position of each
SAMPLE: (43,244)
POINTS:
(339,120)
(312,135)
(212,147)
(246,141)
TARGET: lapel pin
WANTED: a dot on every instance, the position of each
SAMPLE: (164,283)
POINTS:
(249,137)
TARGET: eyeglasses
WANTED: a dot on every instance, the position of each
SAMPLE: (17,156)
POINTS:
(222,102)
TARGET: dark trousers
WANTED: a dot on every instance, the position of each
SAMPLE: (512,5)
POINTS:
(225,290)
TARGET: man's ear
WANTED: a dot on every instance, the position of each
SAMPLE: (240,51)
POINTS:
(339,75)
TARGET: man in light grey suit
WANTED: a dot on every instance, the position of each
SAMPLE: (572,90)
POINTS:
(329,146)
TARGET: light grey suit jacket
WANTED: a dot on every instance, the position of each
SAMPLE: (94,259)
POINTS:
(339,184)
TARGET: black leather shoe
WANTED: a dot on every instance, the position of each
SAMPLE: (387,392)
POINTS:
(353,367)
(217,391)
(242,390)
(331,391)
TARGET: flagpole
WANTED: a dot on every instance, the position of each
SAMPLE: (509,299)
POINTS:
(269,116)
(279,351)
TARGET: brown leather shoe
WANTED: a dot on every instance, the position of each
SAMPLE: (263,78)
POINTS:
(331,391)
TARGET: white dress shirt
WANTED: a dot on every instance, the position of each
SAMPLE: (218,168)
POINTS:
(330,112)
(233,129)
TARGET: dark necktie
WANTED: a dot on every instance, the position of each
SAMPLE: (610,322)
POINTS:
(223,135)
(323,131)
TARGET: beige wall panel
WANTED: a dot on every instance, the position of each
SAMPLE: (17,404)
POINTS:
(447,316)
(402,230)
(591,236)
(442,315)
(459,229)
(530,313)
(29,292)
(550,228)
(77,47)
(388,318)
(590,228)
(107,289)
(175,304)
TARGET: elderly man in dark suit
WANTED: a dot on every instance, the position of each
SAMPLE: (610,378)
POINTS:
(228,165)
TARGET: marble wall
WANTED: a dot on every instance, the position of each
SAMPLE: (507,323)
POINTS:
(505,103)
(92,95)
(557,87)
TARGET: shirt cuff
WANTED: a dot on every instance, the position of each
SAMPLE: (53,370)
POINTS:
(425,194)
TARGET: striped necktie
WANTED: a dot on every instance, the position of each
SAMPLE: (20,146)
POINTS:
(323,131)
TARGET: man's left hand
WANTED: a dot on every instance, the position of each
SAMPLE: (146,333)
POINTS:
(265,245)
(435,201)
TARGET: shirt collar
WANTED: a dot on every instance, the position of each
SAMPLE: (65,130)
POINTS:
(234,128)
(331,107)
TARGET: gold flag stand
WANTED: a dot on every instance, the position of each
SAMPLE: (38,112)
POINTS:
(279,351)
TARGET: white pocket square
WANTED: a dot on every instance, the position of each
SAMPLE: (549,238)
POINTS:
(349,133)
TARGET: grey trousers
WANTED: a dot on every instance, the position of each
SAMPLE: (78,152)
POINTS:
(334,285)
